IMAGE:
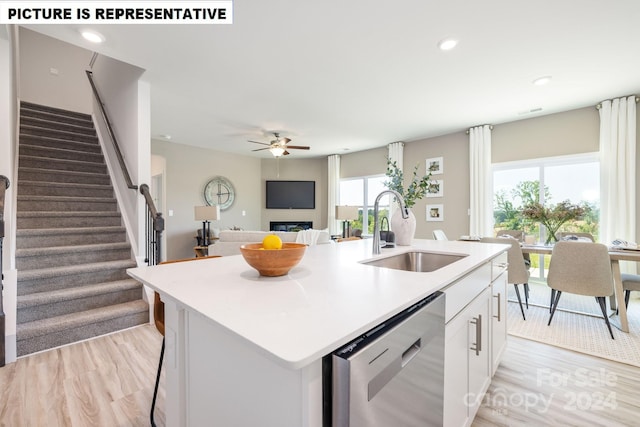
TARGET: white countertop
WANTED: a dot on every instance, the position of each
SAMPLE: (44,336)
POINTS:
(324,302)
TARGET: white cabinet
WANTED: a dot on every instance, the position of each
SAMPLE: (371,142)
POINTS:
(467,371)
(474,339)
(498,320)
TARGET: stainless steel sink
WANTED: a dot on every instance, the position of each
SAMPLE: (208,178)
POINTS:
(416,261)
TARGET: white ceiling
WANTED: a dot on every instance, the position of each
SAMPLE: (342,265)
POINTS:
(352,75)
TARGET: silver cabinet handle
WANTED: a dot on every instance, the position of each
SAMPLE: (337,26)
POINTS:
(499,296)
(478,344)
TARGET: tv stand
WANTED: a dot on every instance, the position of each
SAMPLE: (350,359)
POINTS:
(290,225)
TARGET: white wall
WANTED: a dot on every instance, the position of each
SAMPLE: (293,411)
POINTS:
(8,121)
(127,102)
(69,89)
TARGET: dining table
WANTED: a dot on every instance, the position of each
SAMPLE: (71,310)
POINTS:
(616,255)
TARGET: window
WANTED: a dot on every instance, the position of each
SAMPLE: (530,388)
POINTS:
(547,181)
(362,192)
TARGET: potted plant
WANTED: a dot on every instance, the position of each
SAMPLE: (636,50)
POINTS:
(413,191)
(553,217)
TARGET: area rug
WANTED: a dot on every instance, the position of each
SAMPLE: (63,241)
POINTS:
(577,325)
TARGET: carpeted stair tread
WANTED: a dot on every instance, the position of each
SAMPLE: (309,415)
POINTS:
(60,219)
(45,141)
(53,175)
(85,129)
(31,252)
(55,133)
(38,232)
(62,214)
(62,164)
(69,321)
(40,298)
(61,153)
(30,106)
(61,118)
(65,189)
(75,269)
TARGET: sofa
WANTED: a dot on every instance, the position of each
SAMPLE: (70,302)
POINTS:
(229,241)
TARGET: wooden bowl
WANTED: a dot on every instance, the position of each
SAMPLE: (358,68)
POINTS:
(273,262)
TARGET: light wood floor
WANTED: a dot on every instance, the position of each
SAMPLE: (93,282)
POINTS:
(109,381)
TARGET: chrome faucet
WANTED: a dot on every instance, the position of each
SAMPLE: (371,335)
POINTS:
(376,224)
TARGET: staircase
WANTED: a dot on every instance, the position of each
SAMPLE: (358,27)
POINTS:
(72,250)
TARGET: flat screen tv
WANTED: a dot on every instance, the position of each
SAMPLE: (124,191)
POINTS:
(291,195)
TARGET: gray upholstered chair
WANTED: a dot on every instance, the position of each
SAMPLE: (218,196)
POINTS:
(519,236)
(630,282)
(518,273)
(563,235)
(582,268)
(439,235)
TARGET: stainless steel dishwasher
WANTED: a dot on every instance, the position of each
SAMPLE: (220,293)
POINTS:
(394,374)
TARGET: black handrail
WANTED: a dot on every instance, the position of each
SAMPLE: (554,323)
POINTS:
(4,185)
(153,226)
(112,135)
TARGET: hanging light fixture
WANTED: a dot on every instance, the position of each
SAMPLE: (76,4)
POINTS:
(277,151)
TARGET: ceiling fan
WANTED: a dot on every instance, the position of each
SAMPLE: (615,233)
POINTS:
(279,146)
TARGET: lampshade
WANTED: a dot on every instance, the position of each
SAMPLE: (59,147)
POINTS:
(346,213)
(276,151)
(206,213)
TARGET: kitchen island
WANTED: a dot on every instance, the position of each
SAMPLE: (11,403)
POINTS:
(246,350)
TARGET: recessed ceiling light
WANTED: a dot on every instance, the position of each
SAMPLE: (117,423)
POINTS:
(540,81)
(447,44)
(92,36)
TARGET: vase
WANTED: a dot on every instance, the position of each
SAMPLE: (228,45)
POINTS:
(404,228)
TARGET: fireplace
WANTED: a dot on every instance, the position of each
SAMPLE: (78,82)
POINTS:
(290,225)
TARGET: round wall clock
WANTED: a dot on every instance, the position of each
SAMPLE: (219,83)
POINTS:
(219,192)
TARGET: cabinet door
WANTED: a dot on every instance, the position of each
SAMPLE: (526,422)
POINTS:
(467,361)
(498,320)
(479,350)
(456,371)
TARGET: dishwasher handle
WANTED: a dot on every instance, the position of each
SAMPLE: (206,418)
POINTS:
(392,369)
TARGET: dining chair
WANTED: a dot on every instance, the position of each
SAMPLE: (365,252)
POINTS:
(563,235)
(518,235)
(581,268)
(439,235)
(518,272)
(158,317)
(630,282)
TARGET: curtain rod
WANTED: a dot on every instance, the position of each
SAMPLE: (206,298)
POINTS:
(469,130)
(599,106)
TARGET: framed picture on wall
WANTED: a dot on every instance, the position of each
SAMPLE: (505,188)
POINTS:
(435,165)
(435,188)
(435,213)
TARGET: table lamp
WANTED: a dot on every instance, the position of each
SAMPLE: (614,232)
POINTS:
(206,214)
(346,214)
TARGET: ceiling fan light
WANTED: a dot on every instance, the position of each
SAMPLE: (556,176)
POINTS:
(277,151)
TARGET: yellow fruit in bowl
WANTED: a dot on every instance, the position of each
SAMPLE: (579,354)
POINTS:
(272,242)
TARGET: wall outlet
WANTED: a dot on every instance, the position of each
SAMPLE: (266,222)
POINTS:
(54,71)
(170,212)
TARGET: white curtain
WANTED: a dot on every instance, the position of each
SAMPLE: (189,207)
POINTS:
(481,187)
(396,154)
(618,170)
(333,192)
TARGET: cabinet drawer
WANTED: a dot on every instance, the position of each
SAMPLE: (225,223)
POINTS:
(498,265)
(463,291)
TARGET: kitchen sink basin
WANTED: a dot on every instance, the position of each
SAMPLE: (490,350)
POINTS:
(416,261)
